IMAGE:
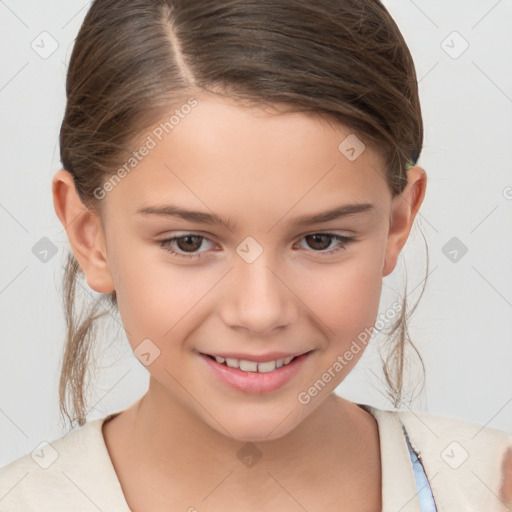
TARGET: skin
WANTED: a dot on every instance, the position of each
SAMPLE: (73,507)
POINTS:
(178,444)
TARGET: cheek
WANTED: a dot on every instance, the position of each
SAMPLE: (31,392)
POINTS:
(143,295)
(157,298)
(345,297)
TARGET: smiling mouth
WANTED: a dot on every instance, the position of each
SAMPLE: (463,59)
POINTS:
(254,366)
(253,377)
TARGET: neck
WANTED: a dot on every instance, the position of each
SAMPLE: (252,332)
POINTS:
(169,443)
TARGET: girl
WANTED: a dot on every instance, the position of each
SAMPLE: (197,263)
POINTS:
(238,179)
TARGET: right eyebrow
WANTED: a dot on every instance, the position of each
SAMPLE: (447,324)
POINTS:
(190,215)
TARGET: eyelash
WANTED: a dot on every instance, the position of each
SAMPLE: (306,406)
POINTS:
(166,244)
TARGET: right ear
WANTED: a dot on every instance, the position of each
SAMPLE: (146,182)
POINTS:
(84,230)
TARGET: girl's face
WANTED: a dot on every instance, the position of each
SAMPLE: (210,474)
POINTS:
(264,281)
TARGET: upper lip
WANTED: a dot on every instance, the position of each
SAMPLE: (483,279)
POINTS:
(260,358)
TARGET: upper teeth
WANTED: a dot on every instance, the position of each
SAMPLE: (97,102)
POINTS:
(252,366)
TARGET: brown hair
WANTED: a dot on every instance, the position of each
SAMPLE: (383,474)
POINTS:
(343,60)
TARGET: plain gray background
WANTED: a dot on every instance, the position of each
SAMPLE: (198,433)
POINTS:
(463,325)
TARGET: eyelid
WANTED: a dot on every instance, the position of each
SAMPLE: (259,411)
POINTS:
(181,234)
(343,241)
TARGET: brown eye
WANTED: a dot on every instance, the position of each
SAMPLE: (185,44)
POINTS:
(185,246)
(189,242)
(321,241)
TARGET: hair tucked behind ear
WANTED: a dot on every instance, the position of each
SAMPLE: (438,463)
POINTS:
(399,339)
(80,334)
(134,61)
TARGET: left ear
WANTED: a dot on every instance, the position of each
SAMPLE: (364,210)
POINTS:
(506,478)
(404,208)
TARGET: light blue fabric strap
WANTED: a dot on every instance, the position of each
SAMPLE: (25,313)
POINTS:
(427,503)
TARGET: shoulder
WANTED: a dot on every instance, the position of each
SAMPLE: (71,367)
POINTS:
(434,431)
(444,424)
(455,440)
(466,462)
(72,472)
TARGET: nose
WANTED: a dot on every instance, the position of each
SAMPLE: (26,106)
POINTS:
(259,299)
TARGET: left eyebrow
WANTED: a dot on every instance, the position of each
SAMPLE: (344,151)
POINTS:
(336,213)
(211,218)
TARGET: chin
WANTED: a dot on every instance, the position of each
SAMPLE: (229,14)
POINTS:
(250,434)
(257,426)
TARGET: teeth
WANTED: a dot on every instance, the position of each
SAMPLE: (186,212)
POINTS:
(252,366)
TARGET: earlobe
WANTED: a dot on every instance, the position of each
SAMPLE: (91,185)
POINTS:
(84,230)
(403,212)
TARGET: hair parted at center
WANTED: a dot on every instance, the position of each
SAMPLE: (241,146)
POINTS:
(133,61)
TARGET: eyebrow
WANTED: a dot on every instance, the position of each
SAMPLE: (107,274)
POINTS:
(211,218)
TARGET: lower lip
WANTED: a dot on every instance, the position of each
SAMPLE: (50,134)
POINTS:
(255,382)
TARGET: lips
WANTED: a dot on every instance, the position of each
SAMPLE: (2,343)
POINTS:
(257,358)
(253,366)
(254,382)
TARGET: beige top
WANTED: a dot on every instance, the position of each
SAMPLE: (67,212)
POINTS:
(463,462)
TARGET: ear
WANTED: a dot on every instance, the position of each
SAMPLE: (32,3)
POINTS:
(506,478)
(403,212)
(84,230)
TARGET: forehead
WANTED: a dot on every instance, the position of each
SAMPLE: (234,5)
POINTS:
(219,154)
